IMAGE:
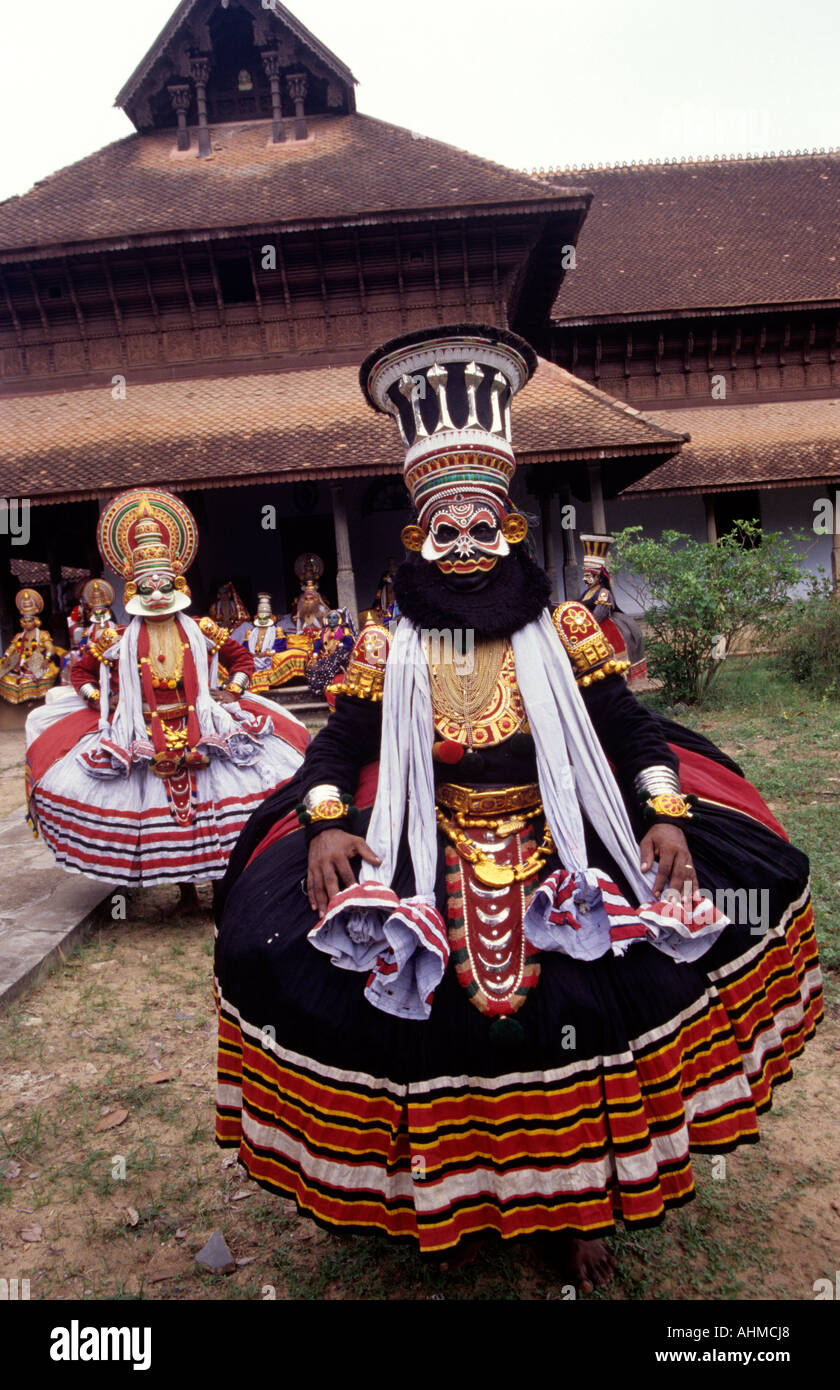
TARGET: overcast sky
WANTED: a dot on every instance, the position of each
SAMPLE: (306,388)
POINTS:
(563,84)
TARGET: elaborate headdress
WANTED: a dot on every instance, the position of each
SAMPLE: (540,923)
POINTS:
(450,389)
(596,551)
(265,608)
(98,594)
(150,538)
(29,603)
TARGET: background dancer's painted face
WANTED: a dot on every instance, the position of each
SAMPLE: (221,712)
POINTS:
(465,538)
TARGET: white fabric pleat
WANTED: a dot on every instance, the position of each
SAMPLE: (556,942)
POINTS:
(406,774)
(574,776)
(573,770)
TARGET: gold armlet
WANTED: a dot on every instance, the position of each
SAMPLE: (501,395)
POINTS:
(591,654)
(217,635)
(363,682)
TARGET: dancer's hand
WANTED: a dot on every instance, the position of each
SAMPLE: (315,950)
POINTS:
(225,697)
(330,854)
(668,845)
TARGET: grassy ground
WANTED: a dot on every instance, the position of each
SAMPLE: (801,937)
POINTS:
(111,1183)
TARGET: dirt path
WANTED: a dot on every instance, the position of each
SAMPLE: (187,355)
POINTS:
(112,1182)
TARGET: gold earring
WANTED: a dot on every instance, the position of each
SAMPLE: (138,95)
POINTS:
(413,537)
(514,527)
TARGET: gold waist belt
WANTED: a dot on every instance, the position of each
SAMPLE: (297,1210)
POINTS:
(177,711)
(500,801)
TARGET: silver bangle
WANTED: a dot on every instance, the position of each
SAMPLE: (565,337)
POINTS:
(659,780)
(325,791)
(87,691)
(239,681)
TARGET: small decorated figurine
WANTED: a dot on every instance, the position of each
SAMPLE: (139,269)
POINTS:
(87,622)
(331,653)
(30,664)
(228,610)
(309,608)
(624,633)
(278,659)
(383,602)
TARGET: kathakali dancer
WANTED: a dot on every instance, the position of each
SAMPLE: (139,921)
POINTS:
(145,773)
(621,630)
(528,1010)
(278,658)
(88,620)
(30,664)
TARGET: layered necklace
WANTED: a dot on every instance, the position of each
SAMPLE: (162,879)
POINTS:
(463,697)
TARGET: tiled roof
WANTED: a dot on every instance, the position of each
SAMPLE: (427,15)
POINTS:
(38,572)
(349,167)
(272,427)
(665,238)
(749,446)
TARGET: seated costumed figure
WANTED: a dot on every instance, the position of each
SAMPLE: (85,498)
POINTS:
(330,654)
(309,609)
(276,661)
(87,622)
(145,772)
(383,602)
(228,610)
(623,632)
(30,664)
(518,987)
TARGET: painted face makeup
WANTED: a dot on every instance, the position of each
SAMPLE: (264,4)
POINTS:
(155,592)
(465,537)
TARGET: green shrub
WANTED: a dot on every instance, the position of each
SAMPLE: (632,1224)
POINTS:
(694,593)
(810,649)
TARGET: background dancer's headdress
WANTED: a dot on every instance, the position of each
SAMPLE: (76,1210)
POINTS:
(450,389)
(98,595)
(150,538)
(29,604)
(596,553)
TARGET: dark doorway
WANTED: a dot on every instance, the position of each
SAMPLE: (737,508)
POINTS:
(302,533)
(735,506)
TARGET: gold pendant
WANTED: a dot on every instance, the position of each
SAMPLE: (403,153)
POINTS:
(494,875)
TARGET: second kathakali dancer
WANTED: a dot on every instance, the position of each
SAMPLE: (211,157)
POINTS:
(146,771)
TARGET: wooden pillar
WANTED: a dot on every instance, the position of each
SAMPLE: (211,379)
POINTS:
(835,560)
(548,541)
(571,572)
(181,96)
(297,84)
(271,64)
(200,69)
(596,493)
(345,581)
(711,524)
(8,588)
(56,615)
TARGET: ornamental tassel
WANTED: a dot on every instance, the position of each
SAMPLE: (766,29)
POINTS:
(193,758)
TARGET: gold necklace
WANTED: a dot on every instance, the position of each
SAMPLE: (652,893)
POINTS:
(487,869)
(463,697)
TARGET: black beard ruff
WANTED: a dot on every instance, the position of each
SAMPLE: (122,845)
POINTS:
(516,593)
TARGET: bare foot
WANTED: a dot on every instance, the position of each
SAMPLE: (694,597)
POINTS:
(585,1263)
(188,904)
(463,1255)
